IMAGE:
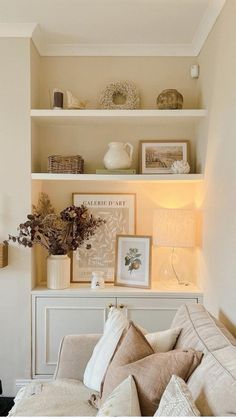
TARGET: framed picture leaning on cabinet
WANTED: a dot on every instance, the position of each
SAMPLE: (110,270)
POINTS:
(119,212)
(157,157)
(133,261)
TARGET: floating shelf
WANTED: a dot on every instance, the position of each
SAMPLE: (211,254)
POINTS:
(125,178)
(67,116)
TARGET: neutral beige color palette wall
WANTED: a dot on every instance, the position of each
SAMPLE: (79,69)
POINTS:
(87,76)
(15,202)
(217,85)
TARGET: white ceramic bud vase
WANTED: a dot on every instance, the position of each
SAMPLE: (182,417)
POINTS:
(58,272)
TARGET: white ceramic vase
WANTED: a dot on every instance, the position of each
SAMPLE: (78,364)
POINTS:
(58,272)
(118,156)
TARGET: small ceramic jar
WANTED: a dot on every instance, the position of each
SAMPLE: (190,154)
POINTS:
(170,99)
(97,280)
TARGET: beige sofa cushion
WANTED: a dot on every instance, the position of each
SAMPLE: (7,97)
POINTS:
(213,383)
(56,398)
(151,371)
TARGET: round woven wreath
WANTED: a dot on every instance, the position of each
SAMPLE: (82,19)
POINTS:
(126,90)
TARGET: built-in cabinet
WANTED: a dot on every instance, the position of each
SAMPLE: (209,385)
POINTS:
(81,310)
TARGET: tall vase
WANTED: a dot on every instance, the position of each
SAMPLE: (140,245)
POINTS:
(58,272)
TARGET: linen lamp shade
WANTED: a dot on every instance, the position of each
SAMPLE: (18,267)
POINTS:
(174,228)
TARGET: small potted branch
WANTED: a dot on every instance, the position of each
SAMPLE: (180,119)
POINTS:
(59,234)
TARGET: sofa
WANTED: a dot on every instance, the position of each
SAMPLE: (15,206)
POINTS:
(212,384)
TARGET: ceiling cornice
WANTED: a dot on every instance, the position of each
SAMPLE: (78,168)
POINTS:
(206,25)
(115,50)
(17,30)
(32,30)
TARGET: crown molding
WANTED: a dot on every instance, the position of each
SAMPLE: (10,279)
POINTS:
(206,25)
(17,30)
(115,50)
(32,30)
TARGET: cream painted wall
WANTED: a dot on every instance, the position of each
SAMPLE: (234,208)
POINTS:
(15,202)
(87,76)
(217,85)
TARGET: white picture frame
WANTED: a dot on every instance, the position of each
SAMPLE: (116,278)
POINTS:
(133,261)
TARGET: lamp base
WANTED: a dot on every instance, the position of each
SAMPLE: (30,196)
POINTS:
(171,272)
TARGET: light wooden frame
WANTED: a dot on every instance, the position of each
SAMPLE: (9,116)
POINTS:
(81,280)
(149,262)
(186,154)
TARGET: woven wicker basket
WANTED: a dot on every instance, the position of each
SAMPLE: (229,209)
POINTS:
(65,164)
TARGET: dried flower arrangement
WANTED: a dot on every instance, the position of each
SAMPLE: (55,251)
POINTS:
(57,233)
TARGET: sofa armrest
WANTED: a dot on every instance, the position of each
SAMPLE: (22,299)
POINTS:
(74,354)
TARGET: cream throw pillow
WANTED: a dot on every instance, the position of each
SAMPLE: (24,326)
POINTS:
(163,341)
(103,352)
(123,401)
(177,400)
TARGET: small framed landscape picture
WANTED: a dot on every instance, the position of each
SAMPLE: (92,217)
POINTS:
(157,156)
(133,261)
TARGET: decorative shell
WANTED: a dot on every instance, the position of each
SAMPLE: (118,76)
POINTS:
(73,102)
(180,166)
(124,92)
(170,99)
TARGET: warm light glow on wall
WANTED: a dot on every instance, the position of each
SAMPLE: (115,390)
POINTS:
(174,228)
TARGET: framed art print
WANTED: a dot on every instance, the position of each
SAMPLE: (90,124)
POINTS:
(119,212)
(133,261)
(157,156)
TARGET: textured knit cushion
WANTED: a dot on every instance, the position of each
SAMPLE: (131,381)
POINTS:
(123,401)
(213,384)
(177,400)
(151,371)
(56,398)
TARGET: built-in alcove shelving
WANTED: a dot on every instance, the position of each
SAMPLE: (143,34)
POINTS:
(89,131)
(66,121)
(120,178)
(67,116)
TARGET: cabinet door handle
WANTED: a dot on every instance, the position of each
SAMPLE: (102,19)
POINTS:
(111,305)
(121,306)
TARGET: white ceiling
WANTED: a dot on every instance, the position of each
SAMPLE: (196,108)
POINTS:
(111,27)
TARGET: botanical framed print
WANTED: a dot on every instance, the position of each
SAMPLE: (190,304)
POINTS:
(119,212)
(157,156)
(133,261)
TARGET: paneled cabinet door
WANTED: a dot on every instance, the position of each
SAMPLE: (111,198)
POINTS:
(153,314)
(60,316)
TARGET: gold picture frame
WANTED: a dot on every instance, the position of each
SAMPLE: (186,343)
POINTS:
(157,156)
(133,261)
(119,211)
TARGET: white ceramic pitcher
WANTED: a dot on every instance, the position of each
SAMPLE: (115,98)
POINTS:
(118,156)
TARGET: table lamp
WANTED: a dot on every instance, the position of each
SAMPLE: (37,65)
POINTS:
(174,228)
